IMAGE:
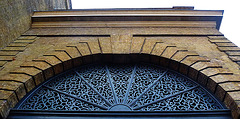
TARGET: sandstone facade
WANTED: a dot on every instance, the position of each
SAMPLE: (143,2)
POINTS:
(187,41)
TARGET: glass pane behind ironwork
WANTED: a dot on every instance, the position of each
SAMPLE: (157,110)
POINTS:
(122,87)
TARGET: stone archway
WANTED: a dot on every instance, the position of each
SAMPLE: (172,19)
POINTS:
(43,65)
(37,71)
(101,88)
(182,40)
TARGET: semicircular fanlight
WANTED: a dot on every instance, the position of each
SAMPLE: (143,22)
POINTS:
(121,87)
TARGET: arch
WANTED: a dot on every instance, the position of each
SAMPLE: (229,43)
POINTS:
(120,87)
(187,63)
(121,46)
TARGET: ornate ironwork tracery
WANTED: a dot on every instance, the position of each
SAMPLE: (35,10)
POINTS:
(140,87)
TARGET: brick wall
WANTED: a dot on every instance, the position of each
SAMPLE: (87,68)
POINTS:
(15,16)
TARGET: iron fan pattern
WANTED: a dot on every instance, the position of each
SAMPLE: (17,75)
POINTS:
(140,87)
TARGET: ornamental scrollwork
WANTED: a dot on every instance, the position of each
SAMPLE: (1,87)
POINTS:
(127,87)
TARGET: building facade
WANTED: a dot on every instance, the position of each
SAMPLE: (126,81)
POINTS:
(180,39)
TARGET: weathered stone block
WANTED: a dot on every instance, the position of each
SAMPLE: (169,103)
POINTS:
(2,63)
(18,44)
(180,55)
(219,41)
(7,58)
(233,53)
(14,86)
(224,49)
(220,93)
(63,57)
(8,53)
(235,58)
(53,61)
(105,45)
(225,45)
(24,41)
(211,84)
(121,43)
(169,51)
(202,79)
(213,71)
(24,78)
(10,97)
(232,102)
(190,60)
(148,46)
(203,65)
(20,49)
(35,73)
(220,78)
(27,37)
(46,68)
(84,49)
(158,48)
(94,46)
(71,51)
(4,108)
(137,43)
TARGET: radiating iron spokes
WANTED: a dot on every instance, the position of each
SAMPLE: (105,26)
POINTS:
(123,87)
